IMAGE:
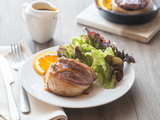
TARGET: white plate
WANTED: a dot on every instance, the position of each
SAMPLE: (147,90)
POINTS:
(33,83)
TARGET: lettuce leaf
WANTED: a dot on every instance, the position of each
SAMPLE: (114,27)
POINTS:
(100,67)
(108,69)
(83,53)
(66,51)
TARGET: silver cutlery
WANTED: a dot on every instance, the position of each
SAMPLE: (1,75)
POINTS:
(8,80)
(18,60)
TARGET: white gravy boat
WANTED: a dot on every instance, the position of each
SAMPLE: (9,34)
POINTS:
(41,19)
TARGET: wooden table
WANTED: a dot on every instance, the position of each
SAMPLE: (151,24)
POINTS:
(142,102)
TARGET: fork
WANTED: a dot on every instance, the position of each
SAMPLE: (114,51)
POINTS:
(18,60)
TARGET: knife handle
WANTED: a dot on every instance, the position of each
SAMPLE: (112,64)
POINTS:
(14,113)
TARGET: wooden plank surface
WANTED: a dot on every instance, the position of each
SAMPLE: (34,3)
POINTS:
(142,102)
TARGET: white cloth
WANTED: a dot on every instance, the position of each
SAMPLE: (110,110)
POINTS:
(39,109)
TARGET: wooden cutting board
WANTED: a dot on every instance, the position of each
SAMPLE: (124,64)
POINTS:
(144,32)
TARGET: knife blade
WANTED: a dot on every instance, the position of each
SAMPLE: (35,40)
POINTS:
(8,80)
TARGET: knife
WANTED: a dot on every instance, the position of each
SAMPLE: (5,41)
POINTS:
(8,80)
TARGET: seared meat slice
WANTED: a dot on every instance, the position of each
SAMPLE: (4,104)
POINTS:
(79,73)
(132,6)
(69,77)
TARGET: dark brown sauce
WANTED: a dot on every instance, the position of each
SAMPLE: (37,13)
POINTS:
(46,88)
(44,9)
(61,68)
(44,79)
(45,84)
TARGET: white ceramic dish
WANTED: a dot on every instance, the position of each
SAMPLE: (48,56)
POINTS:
(33,83)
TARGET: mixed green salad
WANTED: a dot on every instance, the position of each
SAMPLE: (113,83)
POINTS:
(104,57)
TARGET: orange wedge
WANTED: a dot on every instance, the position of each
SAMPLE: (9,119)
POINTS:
(105,4)
(43,61)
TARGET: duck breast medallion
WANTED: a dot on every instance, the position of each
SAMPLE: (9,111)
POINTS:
(132,6)
(69,77)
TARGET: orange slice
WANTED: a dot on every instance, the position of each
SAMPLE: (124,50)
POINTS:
(43,61)
(105,4)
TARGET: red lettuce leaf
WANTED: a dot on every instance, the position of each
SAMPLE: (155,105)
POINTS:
(97,41)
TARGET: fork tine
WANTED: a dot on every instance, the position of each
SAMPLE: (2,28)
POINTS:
(13,53)
(16,52)
(21,52)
